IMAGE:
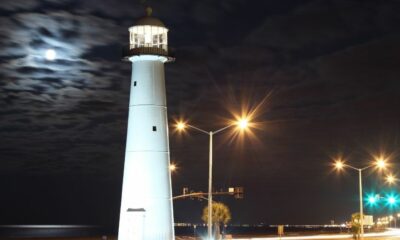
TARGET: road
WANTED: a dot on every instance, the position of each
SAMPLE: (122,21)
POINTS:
(367,238)
(390,234)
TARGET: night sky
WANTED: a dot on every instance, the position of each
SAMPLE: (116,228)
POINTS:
(323,76)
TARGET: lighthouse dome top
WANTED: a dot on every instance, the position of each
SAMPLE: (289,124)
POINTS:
(148,36)
(149,21)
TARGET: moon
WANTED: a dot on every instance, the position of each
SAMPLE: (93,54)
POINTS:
(51,54)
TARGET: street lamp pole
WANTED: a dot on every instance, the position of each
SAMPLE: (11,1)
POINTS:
(210,163)
(361,204)
(381,164)
(360,196)
(242,124)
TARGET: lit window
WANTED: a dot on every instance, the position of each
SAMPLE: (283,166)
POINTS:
(155,40)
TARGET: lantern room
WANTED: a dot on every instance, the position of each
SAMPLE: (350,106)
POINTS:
(148,36)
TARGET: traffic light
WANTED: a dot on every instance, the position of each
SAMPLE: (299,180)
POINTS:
(372,200)
(391,200)
(238,193)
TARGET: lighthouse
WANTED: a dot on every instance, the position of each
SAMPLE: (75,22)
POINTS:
(146,202)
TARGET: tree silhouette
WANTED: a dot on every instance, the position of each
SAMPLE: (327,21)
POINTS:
(220,215)
(355,225)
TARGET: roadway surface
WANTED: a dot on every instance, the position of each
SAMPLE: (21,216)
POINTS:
(348,238)
(389,234)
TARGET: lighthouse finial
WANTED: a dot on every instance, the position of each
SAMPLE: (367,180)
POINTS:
(149,11)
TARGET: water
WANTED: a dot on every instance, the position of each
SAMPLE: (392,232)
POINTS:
(37,231)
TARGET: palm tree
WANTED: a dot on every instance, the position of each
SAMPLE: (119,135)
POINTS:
(220,215)
(355,225)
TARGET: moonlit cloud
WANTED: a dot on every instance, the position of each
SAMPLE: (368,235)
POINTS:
(38,87)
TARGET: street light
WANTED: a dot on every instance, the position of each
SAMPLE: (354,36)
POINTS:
(180,126)
(339,164)
(380,164)
(172,167)
(391,179)
(241,124)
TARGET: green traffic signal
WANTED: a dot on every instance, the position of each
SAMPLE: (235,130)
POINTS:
(372,200)
(391,200)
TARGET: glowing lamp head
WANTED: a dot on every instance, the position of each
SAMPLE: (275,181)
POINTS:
(381,163)
(339,165)
(172,167)
(243,123)
(390,179)
(180,126)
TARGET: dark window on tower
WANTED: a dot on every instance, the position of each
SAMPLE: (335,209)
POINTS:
(134,83)
(154,128)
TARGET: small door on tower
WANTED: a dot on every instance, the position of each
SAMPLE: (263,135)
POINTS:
(135,220)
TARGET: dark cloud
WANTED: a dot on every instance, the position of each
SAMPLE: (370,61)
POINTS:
(12,5)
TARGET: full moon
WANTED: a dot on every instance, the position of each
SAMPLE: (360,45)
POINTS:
(50,54)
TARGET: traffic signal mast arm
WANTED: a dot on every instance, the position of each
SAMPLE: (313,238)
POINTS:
(196,194)
(238,193)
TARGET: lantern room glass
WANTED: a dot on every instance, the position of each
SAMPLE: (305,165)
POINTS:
(148,37)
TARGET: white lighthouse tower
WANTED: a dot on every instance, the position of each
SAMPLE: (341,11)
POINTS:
(146,205)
